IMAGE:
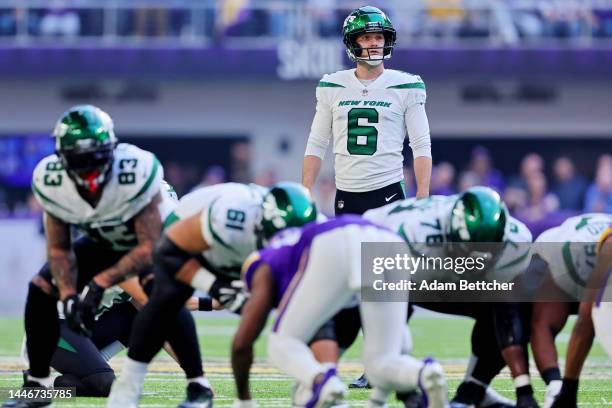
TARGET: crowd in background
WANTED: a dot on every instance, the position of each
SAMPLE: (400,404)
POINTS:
(538,193)
(323,18)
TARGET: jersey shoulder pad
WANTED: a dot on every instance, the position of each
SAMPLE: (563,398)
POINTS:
(50,183)
(410,87)
(139,175)
(404,80)
(516,231)
(229,220)
(339,79)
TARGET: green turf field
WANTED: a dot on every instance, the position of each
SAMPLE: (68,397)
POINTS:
(446,339)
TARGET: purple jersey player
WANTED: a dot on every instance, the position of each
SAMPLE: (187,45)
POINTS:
(310,281)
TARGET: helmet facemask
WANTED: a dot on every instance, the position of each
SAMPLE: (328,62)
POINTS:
(357,53)
(85,142)
(89,169)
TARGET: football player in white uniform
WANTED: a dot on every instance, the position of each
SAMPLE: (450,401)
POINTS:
(602,282)
(477,215)
(366,112)
(112,193)
(214,230)
(567,255)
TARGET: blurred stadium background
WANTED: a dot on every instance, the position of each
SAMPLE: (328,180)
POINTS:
(519,96)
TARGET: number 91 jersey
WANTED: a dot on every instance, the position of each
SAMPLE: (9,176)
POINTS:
(136,177)
(368,125)
(228,215)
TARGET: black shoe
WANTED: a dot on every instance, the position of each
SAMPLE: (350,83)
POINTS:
(468,394)
(564,401)
(526,401)
(198,396)
(362,382)
(29,385)
(411,399)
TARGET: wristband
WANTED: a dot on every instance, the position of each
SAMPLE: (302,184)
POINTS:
(205,304)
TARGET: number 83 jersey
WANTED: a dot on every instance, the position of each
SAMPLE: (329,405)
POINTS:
(368,123)
(136,177)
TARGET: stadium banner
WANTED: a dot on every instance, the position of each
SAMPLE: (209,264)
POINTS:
(290,60)
(482,272)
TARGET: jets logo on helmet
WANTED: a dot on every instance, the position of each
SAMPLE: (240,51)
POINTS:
(273,214)
(367,19)
(479,215)
(458,222)
(287,204)
(84,142)
(60,129)
(347,20)
(478,224)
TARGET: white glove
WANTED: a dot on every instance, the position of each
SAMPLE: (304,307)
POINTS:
(233,297)
(244,404)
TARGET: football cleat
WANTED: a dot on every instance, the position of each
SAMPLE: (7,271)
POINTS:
(527,401)
(330,392)
(469,394)
(124,394)
(552,390)
(492,399)
(198,396)
(300,395)
(29,384)
(411,399)
(361,382)
(433,384)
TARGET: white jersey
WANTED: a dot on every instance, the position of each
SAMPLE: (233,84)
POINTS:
(136,177)
(229,213)
(368,124)
(570,250)
(427,221)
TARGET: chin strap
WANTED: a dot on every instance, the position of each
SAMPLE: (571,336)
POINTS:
(373,63)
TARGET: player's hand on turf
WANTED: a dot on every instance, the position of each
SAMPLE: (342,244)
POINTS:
(244,404)
(73,312)
(231,295)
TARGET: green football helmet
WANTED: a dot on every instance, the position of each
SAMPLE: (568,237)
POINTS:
(367,19)
(287,204)
(84,142)
(479,215)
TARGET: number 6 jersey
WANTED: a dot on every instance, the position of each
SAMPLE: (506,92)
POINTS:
(368,123)
(136,177)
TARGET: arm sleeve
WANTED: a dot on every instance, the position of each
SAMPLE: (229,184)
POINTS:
(417,126)
(321,129)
